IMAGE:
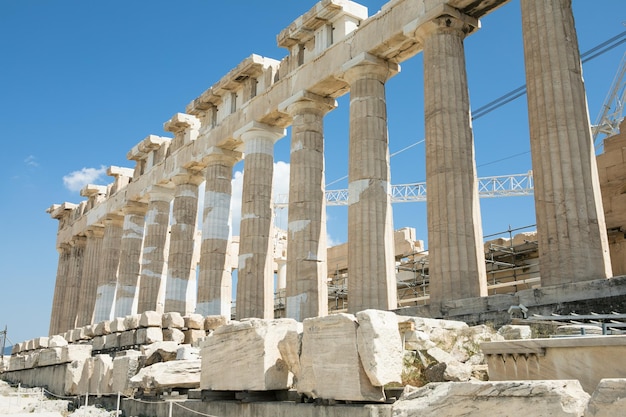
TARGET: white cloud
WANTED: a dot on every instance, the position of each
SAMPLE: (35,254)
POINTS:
(31,161)
(76,180)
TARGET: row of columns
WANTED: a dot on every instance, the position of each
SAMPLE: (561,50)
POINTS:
(570,220)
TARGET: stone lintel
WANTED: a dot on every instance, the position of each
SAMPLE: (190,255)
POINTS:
(147,145)
(115,171)
(187,176)
(325,103)
(181,122)
(216,153)
(207,100)
(251,67)
(420,27)
(92,190)
(161,192)
(58,211)
(371,62)
(302,29)
(135,207)
(253,129)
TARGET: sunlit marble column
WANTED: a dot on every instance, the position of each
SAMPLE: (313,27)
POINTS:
(306,275)
(56,315)
(573,244)
(371,258)
(74,278)
(255,286)
(181,275)
(87,291)
(154,257)
(126,297)
(455,249)
(215,275)
(109,264)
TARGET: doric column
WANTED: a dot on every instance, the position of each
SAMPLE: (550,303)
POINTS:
(181,274)
(109,263)
(573,245)
(74,279)
(88,285)
(126,297)
(255,285)
(371,259)
(56,316)
(455,249)
(153,260)
(215,276)
(306,275)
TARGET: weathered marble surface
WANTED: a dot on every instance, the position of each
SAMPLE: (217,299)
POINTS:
(609,398)
(380,346)
(164,375)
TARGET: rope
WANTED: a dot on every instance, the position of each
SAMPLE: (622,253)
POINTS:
(52,394)
(193,411)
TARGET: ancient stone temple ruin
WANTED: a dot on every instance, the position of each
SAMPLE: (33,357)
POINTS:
(133,253)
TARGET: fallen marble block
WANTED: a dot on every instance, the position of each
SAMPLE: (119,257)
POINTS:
(17,363)
(85,376)
(102,328)
(173,320)
(98,342)
(173,335)
(330,366)
(41,342)
(250,345)
(609,398)
(112,341)
(515,332)
(380,346)
(101,377)
(128,338)
(187,352)
(124,368)
(147,335)
(194,321)
(168,375)
(31,359)
(118,325)
(213,322)
(150,319)
(50,356)
(159,352)
(193,336)
(73,375)
(511,399)
(57,341)
(132,321)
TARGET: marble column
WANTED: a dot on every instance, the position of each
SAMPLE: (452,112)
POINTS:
(215,276)
(181,274)
(455,249)
(371,258)
(155,249)
(126,297)
(56,314)
(255,285)
(87,291)
(109,263)
(573,244)
(74,278)
(306,274)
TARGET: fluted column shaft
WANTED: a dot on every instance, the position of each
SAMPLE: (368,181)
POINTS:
(74,278)
(573,245)
(371,259)
(255,285)
(109,264)
(88,285)
(456,254)
(306,274)
(154,257)
(215,276)
(181,274)
(126,297)
(56,314)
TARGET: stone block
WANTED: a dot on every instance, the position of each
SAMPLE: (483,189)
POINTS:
(17,363)
(15,349)
(192,336)
(31,359)
(57,341)
(72,353)
(101,378)
(186,352)
(194,321)
(132,321)
(164,376)
(173,335)
(173,320)
(50,356)
(112,341)
(213,322)
(128,338)
(88,331)
(98,343)
(609,398)
(150,319)
(102,328)
(30,344)
(118,325)
(515,332)
(253,345)
(159,352)
(73,375)
(147,335)
(73,335)
(417,340)
(330,367)
(454,370)
(485,398)
(124,368)
(85,376)
(379,346)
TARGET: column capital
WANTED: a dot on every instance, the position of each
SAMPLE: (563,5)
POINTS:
(78,240)
(160,193)
(95,231)
(216,154)
(183,125)
(135,207)
(259,130)
(442,18)
(304,101)
(367,65)
(116,219)
(188,176)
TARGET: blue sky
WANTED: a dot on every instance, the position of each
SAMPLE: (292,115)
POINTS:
(82,82)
